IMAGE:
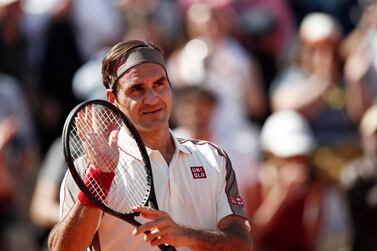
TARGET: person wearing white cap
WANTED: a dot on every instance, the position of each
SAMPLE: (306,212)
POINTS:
(287,134)
(314,86)
(292,206)
(359,178)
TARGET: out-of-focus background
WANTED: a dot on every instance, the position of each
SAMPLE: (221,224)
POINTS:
(287,87)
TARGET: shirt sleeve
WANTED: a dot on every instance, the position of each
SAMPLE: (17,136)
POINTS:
(229,200)
(68,194)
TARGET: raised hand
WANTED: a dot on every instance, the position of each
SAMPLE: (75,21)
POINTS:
(100,141)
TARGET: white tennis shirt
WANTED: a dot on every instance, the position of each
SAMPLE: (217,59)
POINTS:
(198,189)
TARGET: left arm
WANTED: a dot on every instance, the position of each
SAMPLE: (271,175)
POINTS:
(232,232)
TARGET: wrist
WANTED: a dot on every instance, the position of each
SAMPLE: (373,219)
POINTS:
(99,182)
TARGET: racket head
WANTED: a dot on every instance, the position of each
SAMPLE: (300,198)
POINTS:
(132,184)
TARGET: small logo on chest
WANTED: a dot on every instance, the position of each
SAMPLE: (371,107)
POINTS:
(198,172)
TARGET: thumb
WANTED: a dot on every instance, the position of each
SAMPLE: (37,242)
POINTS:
(113,139)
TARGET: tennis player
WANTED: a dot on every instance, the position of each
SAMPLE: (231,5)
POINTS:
(196,188)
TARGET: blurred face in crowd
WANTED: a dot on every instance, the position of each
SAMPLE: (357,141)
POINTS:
(145,96)
(194,112)
(319,54)
(293,169)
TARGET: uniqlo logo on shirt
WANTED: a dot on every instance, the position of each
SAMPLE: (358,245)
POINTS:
(198,172)
(236,200)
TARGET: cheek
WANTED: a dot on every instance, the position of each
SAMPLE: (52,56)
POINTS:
(168,99)
(132,108)
(126,105)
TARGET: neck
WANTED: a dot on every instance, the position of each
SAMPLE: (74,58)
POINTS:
(161,141)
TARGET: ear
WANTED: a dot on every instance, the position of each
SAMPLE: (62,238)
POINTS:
(110,96)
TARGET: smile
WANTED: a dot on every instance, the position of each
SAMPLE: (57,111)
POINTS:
(151,112)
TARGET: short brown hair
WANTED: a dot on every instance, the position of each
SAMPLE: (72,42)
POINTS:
(114,58)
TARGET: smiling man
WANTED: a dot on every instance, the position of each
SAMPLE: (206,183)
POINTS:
(196,189)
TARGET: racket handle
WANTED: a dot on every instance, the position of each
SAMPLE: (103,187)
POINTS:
(164,247)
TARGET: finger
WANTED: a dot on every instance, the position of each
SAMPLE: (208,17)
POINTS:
(160,222)
(96,118)
(147,212)
(88,117)
(149,226)
(114,150)
(79,120)
(158,241)
(154,233)
(113,140)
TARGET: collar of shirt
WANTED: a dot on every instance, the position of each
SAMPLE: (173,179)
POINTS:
(178,146)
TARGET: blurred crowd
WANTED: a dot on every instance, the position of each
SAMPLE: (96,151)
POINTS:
(287,87)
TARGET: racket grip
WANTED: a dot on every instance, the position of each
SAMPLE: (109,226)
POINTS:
(164,247)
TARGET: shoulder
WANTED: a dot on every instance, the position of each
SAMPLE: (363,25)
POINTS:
(206,153)
(202,147)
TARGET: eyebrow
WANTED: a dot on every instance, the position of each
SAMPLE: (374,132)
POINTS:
(163,78)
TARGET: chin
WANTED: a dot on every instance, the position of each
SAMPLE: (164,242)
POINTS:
(153,126)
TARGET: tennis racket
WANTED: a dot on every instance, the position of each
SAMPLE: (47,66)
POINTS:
(108,160)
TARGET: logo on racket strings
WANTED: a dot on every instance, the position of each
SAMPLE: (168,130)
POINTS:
(198,172)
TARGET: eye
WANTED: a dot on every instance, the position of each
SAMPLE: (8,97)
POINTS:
(160,84)
(136,89)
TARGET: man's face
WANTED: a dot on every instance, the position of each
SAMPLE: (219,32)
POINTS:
(145,96)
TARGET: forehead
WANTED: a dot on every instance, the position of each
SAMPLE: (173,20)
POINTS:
(143,73)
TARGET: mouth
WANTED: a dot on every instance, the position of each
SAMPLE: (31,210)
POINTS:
(152,112)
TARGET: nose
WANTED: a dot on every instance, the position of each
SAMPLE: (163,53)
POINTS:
(150,97)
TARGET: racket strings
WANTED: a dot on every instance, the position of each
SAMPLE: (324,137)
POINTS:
(137,177)
(89,144)
(101,130)
(137,188)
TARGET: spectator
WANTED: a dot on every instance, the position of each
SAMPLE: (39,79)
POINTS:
(13,46)
(44,210)
(18,157)
(213,58)
(359,178)
(266,29)
(314,86)
(346,11)
(360,50)
(158,21)
(73,35)
(292,206)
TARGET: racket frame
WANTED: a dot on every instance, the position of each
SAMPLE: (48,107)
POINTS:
(150,199)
